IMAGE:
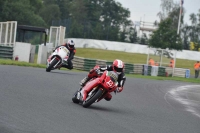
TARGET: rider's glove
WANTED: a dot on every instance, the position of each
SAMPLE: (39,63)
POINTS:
(119,89)
(98,71)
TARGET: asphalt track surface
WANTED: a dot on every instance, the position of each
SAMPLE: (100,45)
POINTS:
(34,101)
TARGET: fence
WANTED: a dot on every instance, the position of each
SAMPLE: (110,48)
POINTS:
(6,52)
(86,64)
(7,39)
(8,33)
(57,35)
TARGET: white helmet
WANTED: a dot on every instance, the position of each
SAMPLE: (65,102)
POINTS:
(71,44)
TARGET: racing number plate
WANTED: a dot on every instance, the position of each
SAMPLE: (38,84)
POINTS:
(109,84)
(65,49)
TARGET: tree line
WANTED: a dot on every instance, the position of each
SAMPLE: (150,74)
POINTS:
(104,20)
(166,35)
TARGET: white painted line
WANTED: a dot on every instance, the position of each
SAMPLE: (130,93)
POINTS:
(190,105)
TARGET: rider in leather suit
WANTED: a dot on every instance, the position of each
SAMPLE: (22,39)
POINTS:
(117,67)
(70,46)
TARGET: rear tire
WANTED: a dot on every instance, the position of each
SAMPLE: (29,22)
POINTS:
(49,68)
(93,98)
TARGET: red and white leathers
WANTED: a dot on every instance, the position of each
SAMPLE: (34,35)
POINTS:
(96,72)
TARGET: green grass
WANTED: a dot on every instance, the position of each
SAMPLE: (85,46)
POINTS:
(130,57)
(110,56)
(35,58)
(20,63)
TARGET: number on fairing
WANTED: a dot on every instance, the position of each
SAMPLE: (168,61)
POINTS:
(65,49)
(109,83)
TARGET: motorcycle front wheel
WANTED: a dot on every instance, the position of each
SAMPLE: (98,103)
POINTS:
(53,63)
(92,98)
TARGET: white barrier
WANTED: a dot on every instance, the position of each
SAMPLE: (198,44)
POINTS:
(129,47)
(42,55)
(22,50)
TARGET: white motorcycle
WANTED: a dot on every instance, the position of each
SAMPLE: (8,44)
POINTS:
(57,58)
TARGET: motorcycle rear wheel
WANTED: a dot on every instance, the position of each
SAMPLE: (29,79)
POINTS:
(93,98)
(53,63)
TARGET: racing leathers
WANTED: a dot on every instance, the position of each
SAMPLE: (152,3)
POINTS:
(98,70)
(71,56)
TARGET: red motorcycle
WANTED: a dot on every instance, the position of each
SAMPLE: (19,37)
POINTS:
(96,89)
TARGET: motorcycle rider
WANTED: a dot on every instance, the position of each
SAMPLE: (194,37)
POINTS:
(70,45)
(117,66)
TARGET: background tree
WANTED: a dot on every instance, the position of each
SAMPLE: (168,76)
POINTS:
(193,31)
(144,40)
(125,31)
(133,35)
(113,16)
(165,36)
(53,12)
(99,19)
(167,7)
(22,11)
(185,37)
(170,9)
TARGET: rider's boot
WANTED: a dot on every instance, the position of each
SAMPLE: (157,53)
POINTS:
(84,81)
(64,65)
(67,66)
(59,67)
(108,97)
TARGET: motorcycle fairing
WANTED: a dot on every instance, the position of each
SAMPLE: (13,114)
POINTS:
(60,54)
(107,80)
(88,87)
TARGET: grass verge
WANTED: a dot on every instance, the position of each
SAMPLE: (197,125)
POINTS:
(134,58)
(20,63)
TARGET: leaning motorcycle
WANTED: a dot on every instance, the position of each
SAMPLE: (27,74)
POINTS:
(96,89)
(57,58)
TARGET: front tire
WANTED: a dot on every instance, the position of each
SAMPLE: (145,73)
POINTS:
(53,63)
(93,98)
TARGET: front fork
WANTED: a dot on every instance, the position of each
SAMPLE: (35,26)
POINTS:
(91,92)
(55,58)
(102,96)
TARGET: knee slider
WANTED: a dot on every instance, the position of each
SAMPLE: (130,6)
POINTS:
(108,98)
(92,73)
